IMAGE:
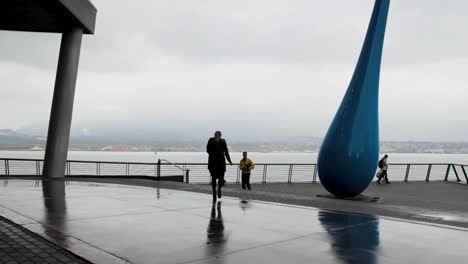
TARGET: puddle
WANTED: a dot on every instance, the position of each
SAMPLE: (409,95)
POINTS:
(444,217)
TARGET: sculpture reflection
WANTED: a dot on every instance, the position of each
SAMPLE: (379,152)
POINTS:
(55,213)
(216,238)
(353,238)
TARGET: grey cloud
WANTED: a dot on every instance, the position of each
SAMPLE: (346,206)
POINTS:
(34,49)
(127,35)
(247,67)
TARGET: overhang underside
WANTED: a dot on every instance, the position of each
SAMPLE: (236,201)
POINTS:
(53,16)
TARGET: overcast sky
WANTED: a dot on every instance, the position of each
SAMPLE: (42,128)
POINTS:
(246,67)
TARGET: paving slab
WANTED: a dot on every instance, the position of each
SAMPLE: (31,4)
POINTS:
(20,245)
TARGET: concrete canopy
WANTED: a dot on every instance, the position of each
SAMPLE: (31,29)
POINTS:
(53,16)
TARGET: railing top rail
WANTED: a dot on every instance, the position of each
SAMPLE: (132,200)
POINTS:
(204,163)
(21,159)
(175,165)
(153,163)
(428,163)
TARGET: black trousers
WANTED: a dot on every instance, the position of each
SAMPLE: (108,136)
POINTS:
(246,180)
(384,176)
(217,176)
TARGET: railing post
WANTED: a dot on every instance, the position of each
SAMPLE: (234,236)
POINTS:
(159,170)
(97,168)
(264,173)
(428,172)
(38,172)
(290,173)
(69,168)
(127,169)
(407,172)
(314,177)
(187,176)
(464,173)
(447,172)
(456,173)
(238,174)
(7,167)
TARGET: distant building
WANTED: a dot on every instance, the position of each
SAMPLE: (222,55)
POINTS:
(37,148)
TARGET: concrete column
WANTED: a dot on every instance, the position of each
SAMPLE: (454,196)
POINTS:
(62,104)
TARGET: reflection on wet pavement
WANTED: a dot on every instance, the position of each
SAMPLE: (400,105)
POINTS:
(353,238)
(245,205)
(55,209)
(120,224)
(216,239)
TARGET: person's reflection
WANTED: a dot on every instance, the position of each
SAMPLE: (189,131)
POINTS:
(353,238)
(5,183)
(216,239)
(53,192)
(245,205)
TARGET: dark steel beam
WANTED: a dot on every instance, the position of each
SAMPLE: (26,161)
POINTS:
(62,104)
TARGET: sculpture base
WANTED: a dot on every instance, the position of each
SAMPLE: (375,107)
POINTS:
(358,198)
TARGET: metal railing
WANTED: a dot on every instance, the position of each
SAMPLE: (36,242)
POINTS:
(184,171)
(198,172)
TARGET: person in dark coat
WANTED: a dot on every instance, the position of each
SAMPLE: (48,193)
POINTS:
(217,154)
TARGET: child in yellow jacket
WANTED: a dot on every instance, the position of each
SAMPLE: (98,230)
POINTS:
(246,165)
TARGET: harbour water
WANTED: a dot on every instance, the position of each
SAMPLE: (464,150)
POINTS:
(201,157)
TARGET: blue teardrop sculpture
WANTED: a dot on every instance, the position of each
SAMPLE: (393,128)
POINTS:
(349,153)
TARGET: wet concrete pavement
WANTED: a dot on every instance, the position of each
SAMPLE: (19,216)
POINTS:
(108,223)
(435,202)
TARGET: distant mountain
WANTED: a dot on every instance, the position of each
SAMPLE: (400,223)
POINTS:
(162,140)
(10,133)
(10,139)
